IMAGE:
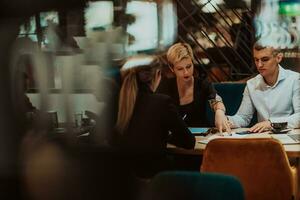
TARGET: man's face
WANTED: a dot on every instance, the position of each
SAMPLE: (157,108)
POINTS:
(266,61)
(183,69)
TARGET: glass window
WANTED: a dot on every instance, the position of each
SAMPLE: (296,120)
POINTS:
(98,15)
(145,27)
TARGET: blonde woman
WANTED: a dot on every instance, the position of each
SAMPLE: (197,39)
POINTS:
(191,93)
(147,121)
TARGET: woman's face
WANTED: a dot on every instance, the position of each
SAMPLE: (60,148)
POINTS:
(183,69)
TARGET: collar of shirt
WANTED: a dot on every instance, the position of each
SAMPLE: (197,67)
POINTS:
(263,85)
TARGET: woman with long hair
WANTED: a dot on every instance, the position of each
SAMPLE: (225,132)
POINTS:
(147,121)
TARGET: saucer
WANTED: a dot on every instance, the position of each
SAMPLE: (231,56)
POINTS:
(281,131)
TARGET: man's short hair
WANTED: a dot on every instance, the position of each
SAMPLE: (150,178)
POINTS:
(259,45)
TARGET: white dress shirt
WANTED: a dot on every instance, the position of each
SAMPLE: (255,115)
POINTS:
(277,103)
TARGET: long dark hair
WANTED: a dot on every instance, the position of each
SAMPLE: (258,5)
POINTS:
(138,69)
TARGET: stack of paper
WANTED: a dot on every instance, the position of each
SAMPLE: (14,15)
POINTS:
(284,139)
(224,135)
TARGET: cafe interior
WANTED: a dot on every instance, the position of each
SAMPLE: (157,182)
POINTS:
(61,65)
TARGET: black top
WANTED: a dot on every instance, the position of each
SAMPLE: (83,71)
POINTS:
(155,122)
(194,113)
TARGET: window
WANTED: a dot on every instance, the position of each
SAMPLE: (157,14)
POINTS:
(98,15)
(169,23)
(145,27)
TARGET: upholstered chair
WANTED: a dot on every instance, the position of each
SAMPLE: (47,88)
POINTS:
(187,185)
(260,164)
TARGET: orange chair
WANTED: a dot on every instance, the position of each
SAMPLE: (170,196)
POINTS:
(261,164)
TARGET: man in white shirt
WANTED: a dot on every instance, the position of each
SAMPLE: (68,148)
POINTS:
(274,93)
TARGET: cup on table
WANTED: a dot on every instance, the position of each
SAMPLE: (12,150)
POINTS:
(78,119)
(279,126)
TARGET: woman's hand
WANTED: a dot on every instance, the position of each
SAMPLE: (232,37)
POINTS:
(260,127)
(221,121)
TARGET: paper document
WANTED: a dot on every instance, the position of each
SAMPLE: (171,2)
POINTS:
(225,135)
(284,139)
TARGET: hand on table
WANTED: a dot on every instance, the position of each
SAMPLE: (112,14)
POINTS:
(260,127)
(221,121)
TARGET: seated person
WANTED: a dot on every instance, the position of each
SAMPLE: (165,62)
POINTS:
(28,107)
(191,93)
(146,121)
(274,93)
(23,102)
(107,93)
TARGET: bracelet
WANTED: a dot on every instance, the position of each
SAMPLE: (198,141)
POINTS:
(213,102)
(221,109)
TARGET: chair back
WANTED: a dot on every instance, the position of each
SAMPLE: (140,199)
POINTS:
(183,185)
(232,95)
(261,165)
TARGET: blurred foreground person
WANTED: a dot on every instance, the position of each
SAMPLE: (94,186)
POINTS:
(147,121)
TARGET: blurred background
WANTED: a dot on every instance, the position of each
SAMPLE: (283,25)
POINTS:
(60,62)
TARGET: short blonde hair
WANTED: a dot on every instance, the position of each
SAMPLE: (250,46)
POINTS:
(178,52)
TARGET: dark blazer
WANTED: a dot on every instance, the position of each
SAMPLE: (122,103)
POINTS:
(194,114)
(154,123)
(153,117)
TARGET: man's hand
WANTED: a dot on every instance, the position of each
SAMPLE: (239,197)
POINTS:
(221,121)
(260,127)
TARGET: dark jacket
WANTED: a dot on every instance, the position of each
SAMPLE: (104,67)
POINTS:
(153,117)
(194,113)
(154,123)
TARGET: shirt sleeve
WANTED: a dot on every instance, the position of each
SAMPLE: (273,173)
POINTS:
(294,119)
(245,112)
(180,134)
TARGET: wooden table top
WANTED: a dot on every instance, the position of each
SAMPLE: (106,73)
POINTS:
(292,150)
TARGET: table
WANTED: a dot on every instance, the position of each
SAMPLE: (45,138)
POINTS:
(292,150)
